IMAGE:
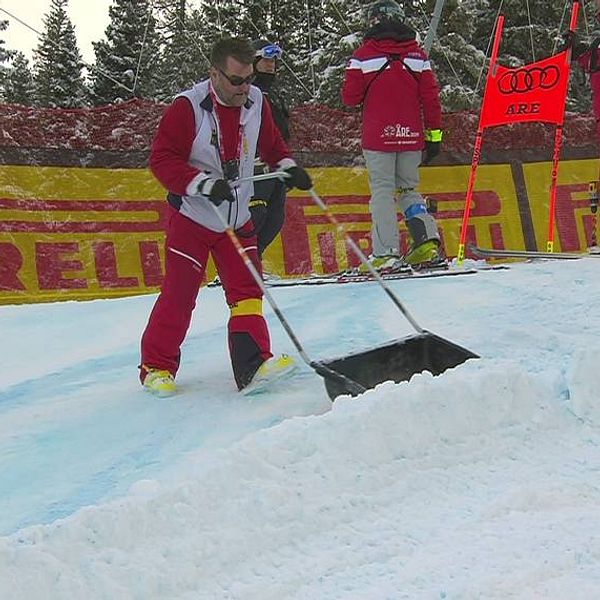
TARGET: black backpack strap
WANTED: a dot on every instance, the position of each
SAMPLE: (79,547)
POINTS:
(390,58)
(379,72)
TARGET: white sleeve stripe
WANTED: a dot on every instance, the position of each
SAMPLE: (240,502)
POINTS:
(374,64)
(286,163)
(369,65)
(417,64)
(194,184)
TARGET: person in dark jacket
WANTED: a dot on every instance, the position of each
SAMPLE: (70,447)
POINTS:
(390,75)
(267,205)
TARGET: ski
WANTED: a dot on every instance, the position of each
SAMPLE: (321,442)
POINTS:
(493,253)
(349,277)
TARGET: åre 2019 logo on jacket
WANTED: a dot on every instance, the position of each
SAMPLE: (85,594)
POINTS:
(524,80)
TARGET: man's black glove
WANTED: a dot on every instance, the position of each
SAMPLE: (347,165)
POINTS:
(433,141)
(432,149)
(297,178)
(217,191)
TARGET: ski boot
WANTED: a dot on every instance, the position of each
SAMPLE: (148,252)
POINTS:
(385,265)
(271,370)
(427,256)
(158,381)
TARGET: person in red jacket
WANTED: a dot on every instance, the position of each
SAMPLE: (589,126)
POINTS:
(587,55)
(206,141)
(390,75)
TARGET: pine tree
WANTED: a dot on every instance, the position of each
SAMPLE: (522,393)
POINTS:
(217,19)
(5,56)
(457,57)
(337,35)
(287,24)
(19,85)
(185,58)
(314,21)
(57,62)
(128,62)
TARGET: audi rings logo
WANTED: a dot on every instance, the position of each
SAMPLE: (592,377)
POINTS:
(527,80)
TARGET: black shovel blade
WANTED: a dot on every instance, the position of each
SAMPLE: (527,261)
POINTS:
(396,361)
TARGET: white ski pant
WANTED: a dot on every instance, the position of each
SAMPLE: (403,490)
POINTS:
(390,172)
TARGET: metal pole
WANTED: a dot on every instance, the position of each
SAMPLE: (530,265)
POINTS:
(364,260)
(433,25)
(351,386)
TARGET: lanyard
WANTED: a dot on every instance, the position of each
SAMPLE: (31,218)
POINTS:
(220,143)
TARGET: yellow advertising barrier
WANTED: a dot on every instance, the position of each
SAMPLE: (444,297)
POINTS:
(574,221)
(68,233)
(83,233)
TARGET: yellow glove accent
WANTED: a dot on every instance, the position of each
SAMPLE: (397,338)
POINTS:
(433,135)
(245,308)
(257,202)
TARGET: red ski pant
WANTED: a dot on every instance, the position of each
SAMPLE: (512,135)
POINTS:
(188,246)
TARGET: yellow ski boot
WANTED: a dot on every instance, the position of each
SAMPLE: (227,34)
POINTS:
(389,263)
(159,382)
(271,370)
(427,255)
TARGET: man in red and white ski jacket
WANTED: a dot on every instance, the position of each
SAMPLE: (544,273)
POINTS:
(390,76)
(206,140)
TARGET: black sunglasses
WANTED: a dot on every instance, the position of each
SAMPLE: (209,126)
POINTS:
(236,80)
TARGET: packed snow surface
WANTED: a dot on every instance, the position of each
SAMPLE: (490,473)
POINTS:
(480,483)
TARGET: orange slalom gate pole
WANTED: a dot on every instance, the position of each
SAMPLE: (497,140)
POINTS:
(553,186)
(467,212)
(477,149)
(557,145)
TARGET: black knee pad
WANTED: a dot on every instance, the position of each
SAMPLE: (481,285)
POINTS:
(245,357)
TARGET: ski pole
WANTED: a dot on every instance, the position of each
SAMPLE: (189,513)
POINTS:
(351,386)
(364,260)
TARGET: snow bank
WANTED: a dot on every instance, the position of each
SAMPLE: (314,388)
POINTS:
(318,507)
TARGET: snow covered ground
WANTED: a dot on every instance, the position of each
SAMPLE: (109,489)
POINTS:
(481,483)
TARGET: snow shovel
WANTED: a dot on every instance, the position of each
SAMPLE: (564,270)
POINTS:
(400,359)
(340,381)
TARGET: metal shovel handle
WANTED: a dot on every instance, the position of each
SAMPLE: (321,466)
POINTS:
(262,177)
(351,386)
(364,260)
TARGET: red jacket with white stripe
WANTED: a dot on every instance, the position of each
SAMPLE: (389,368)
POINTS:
(187,148)
(400,101)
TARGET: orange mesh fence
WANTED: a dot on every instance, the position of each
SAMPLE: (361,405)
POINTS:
(320,135)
